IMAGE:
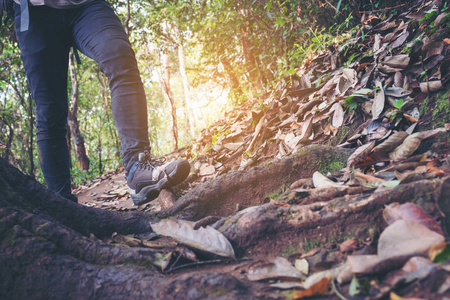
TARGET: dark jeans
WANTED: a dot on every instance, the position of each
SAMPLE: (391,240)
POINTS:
(97,32)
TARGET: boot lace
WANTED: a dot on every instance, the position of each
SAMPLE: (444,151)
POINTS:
(149,161)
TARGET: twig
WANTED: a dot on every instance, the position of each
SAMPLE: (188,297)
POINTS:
(197,263)
(377,10)
(336,291)
(333,7)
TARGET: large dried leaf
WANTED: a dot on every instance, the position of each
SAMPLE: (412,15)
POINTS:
(319,288)
(368,180)
(410,211)
(406,237)
(434,49)
(396,92)
(205,238)
(338,115)
(400,40)
(278,267)
(429,133)
(291,140)
(409,145)
(397,61)
(390,144)
(206,169)
(378,101)
(317,277)
(321,181)
(233,146)
(307,129)
(302,265)
(431,86)
(397,243)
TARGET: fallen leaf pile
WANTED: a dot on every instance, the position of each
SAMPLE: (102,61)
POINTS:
(369,93)
(379,79)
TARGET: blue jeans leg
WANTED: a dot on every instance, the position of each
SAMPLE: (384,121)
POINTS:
(99,34)
(44,52)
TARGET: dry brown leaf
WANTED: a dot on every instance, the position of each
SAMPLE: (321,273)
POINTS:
(434,49)
(409,145)
(360,154)
(397,243)
(338,115)
(302,265)
(206,169)
(319,288)
(406,237)
(321,181)
(278,267)
(410,211)
(410,118)
(205,238)
(431,86)
(307,129)
(398,80)
(291,140)
(348,245)
(429,133)
(390,144)
(378,101)
(367,180)
(400,40)
(396,92)
(397,61)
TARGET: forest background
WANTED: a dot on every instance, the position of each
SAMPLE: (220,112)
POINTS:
(198,59)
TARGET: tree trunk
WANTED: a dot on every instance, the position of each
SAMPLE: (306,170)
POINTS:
(189,112)
(234,81)
(9,142)
(165,84)
(73,119)
(31,134)
(99,152)
(113,133)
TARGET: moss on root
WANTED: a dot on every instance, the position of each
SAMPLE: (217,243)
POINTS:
(435,110)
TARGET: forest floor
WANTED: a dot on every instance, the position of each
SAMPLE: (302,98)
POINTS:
(311,182)
(334,185)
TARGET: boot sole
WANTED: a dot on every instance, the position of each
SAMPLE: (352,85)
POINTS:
(151,192)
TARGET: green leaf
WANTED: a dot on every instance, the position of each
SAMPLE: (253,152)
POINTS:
(269,5)
(391,184)
(338,6)
(354,288)
(444,256)
(398,104)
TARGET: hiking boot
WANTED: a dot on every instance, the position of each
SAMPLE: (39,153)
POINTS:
(148,176)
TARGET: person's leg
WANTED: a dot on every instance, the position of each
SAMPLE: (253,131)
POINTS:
(44,52)
(98,33)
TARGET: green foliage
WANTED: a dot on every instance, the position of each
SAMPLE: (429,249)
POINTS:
(356,288)
(274,195)
(236,48)
(311,244)
(290,250)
